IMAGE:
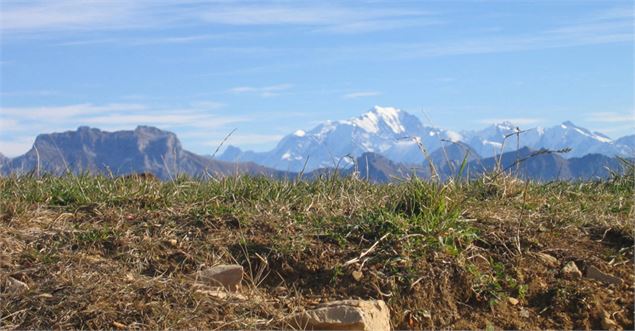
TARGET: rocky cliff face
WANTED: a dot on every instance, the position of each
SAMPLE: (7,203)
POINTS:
(145,149)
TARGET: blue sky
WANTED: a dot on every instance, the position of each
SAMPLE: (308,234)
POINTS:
(203,68)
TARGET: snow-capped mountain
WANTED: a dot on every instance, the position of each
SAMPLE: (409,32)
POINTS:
(393,133)
(402,138)
(491,140)
(626,145)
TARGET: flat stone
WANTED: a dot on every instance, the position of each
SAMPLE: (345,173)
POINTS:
(228,276)
(345,315)
(223,295)
(571,270)
(524,313)
(119,326)
(512,301)
(595,273)
(547,259)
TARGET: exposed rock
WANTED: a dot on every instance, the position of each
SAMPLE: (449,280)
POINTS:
(512,301)
(357,275)
(223,295)
(547,259)
(570,270)
(144,154)
(228,276)
(524,313)
(119,326)
(281,291)
(595,273)
(345,315)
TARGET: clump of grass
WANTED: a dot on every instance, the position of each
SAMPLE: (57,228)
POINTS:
(100,252)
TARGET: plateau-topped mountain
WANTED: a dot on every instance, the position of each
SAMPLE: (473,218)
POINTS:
(402,138)
(145,149)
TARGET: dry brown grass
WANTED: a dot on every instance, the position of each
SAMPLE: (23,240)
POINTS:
(103,253)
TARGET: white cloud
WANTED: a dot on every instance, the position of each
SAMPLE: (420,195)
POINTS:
(290,13)
(15,146)
(618,29)
(68,15)
(247,139)
(612,117)
(617,129)
(263,91)
(114,115)
(209,105)
(73,15)
(362,94)
(34,93)
(7,124)
(377,25)
(68,111)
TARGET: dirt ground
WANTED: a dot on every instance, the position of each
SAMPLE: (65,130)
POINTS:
(134,267)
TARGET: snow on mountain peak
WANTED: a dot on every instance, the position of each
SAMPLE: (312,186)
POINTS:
(454,136)
(585,132)
(540,130)
(505,125)
(371,120)
(399,135)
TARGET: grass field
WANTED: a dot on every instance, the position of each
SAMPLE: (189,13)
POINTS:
(104,253)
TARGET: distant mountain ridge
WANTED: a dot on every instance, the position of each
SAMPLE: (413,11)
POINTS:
(539,165)
(145,149)
(151,150)
(402,138)
(581,141)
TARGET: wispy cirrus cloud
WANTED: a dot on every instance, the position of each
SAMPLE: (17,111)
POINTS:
(361,94)
(43,16)
(263,91)
(302,13)
(606,27)
(15,146)
(612,117)
(246,139)
(145,41)
(75,15)
(34,93)
(196,114)
(61,113)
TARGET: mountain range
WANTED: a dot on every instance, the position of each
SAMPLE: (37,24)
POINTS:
(383,144)
(402,138)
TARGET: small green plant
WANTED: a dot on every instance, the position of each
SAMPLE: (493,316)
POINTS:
(95,235)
